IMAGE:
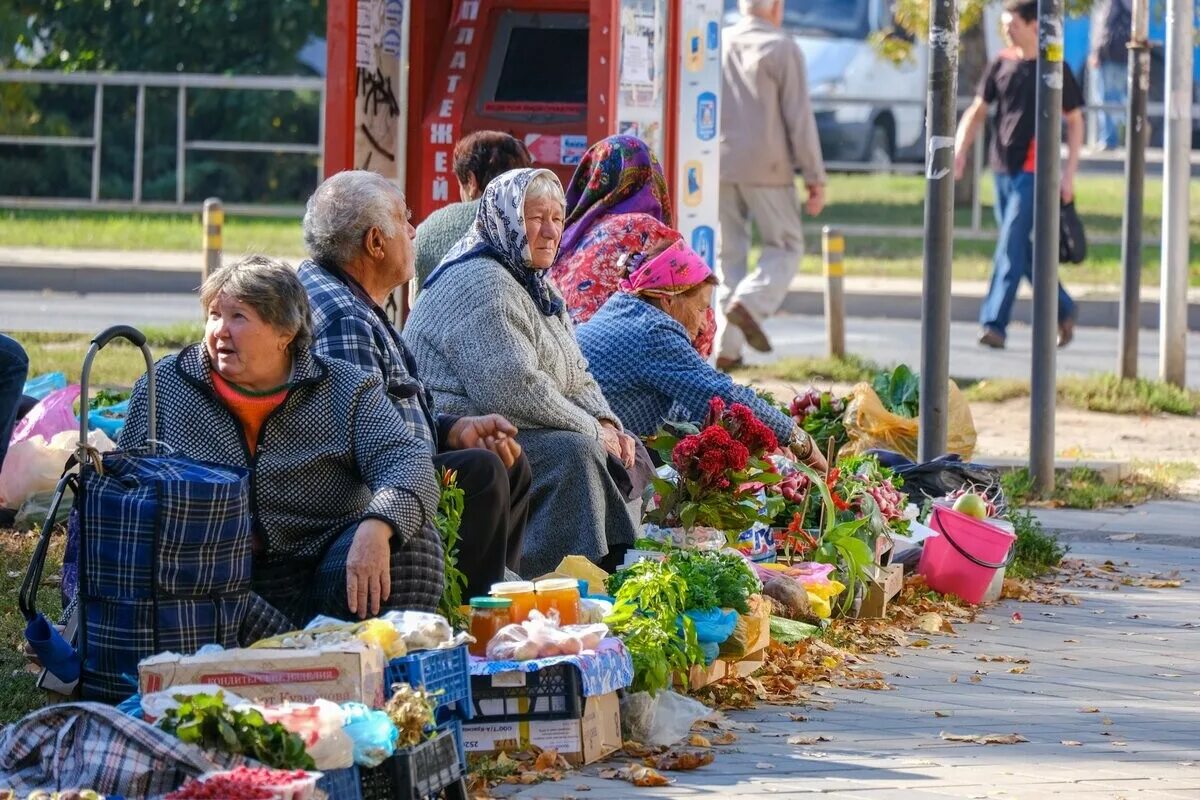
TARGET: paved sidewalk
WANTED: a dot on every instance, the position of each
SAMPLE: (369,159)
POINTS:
(1134,654)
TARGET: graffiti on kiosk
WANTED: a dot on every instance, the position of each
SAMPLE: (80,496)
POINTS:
(439,125)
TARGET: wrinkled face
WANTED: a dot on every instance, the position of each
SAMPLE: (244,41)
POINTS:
(394,255)
(690,309)
(544,227)
(243,347)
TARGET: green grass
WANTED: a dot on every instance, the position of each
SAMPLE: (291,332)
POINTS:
(102,230)
(1084,488)
(1036,552)
(18,690)
(119,364)
(850,369)
(1100,392)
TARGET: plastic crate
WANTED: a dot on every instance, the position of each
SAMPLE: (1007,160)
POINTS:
(442,673)
(415,773)
(553,693)
(341,784)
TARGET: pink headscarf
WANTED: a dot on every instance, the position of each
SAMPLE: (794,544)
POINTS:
(671,272)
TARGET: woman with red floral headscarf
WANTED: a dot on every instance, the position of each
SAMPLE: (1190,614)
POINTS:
(617,206)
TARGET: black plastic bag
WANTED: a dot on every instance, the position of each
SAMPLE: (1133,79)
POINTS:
(1072,241)
(935,479)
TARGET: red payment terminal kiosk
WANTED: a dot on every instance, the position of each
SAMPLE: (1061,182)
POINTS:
(407,79)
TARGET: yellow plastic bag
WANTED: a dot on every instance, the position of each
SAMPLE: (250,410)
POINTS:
(751,630)
(871,426)
(820,596)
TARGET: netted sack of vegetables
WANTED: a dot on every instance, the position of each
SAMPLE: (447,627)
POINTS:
(871,425)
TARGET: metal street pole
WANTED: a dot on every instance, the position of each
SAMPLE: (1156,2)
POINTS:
(1046,192)
(939,229)
(1137,131)
(1177,141)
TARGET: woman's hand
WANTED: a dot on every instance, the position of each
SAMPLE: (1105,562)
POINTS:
(620,444)
(369,568)
(492,432)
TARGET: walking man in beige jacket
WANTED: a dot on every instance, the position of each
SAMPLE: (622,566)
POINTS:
(768,133)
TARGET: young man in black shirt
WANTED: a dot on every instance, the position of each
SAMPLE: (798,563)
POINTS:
(1010,83)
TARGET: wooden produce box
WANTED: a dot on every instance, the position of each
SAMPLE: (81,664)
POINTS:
(886,584)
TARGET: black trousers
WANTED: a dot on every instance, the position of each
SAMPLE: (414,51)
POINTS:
(496,507)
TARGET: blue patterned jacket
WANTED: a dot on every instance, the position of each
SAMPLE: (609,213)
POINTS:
(650,372)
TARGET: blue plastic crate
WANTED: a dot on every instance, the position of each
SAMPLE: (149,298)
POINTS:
(341,784)
(442,673)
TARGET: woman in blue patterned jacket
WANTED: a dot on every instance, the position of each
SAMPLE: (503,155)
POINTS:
(343,495)
(639,349)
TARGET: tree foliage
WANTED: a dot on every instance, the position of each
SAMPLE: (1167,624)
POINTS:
(227,37)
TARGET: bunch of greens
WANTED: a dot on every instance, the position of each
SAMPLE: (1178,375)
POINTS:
(648,617)
(822,416)
(207,721)
(899,390)
(715,580)
(107,397)
(842,543)
(447,521)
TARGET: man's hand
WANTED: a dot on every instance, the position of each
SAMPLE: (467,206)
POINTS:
(369,568)
(492,432)
(621,445)
(1067,189)
(816,199)
(960,164)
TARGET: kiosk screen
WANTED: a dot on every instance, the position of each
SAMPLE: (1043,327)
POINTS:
(539,66)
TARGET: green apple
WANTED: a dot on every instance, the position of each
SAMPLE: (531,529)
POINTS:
(972,505)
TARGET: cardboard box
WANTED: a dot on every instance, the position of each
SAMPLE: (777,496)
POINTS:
(338,674)
(886,584)
(579,741)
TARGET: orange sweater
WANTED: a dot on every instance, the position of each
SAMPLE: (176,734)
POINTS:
(250,408)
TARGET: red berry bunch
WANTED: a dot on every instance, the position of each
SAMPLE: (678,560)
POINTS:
(243,783)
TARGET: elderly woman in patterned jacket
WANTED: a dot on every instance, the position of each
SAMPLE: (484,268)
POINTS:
(343,495)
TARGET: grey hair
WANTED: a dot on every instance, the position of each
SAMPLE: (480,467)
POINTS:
(756,6)
(546,184)
(343,209)
(272,288)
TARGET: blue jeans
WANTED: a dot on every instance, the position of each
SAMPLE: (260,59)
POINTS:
(1014,253)
(14,367)
(1109,84)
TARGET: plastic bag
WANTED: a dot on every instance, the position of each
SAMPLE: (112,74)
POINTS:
(35,464)
(372,732)
(32,513)
(935,479)
(422,631)
(110,419)
(43,385)
(870,425)
(156,704)
(713,624)
(53,414)
(541,637)
(320,725)
(660,720)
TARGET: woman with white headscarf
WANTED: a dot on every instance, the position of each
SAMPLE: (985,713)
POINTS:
(491,336)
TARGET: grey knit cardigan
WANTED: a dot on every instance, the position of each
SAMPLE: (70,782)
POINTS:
(334,453)
(483,347)
(437,233)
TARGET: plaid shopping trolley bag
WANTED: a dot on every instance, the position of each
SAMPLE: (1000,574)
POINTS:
(162,544)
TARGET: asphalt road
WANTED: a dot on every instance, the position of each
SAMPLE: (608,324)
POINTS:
(884,341)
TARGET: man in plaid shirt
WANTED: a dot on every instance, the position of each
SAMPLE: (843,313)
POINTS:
(357,231)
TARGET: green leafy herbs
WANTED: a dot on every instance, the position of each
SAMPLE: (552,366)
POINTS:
(899,390)
(207,721)
(107,397)
(648,617)
(715,580)
(447,521)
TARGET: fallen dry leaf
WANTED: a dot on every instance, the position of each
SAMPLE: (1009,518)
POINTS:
(1106,721)
(1089,710)
(1117,744)
(954,679)
(764,765)
(1071,641)
(643,776)
(583,787)
(922,643)
(609,774)
(683,760)
(547,759)
(1018,670)
(931,622)
(941,714)
(976,678)
(1071,743)
(806,740)
(636,749)
(985,738)
(696,740)
(1003,659)
(724,739)
(797,718)
(1016,618)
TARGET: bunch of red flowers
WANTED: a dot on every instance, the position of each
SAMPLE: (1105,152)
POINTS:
(709,456)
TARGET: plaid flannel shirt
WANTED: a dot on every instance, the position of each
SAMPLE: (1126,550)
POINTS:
(96,746)
(349,325)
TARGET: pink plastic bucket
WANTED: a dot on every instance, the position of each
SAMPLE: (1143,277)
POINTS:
(964,558)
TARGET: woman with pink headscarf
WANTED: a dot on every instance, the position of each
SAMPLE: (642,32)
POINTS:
(639,349)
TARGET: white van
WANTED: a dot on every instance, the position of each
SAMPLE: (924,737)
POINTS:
(843,64)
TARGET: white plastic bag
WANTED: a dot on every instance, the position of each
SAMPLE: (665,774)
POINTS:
(35,465)
(661,720)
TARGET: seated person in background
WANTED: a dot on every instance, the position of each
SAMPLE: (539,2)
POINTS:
(640,352)
(343,493)
(491,335)
(478,157)
(617,205)
(357,232)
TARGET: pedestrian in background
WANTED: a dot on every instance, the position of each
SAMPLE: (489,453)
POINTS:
(768,134)
(1108,67)
(14,368)
(1010,83)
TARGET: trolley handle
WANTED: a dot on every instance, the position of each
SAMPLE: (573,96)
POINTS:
(138,339)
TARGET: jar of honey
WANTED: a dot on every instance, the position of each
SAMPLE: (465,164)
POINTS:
(488,616)
(561,595)
(521,593)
